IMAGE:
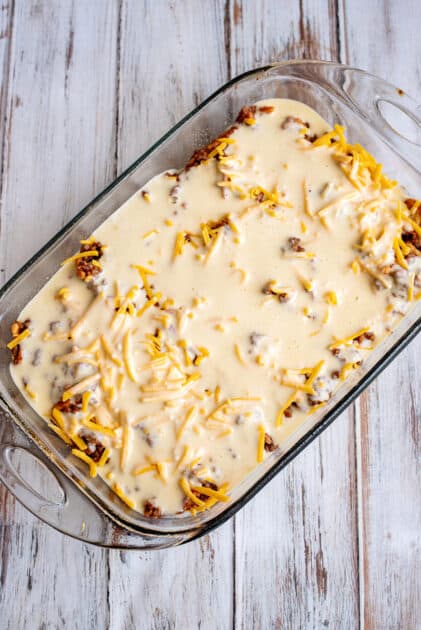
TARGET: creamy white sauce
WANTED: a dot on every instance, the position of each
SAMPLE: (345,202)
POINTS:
(219,306)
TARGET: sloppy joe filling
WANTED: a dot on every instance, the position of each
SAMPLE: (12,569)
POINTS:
(202,323)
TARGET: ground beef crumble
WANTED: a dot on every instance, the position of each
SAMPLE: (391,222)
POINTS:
(270,445)
(202,154)
(16,329)
(295,244)
(413,241)
(94,448)
(151,511)
(84,267)
(268,290)
(266,109)
(73,405)
(248,111)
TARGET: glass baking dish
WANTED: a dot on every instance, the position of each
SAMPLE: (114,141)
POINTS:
(35,464)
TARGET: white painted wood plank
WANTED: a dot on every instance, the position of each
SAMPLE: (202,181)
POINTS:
(60,119)
(171,58)
(389,414)
(59,152)
(6,29)
(295,551)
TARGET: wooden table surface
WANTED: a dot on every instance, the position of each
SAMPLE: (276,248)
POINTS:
(334,540)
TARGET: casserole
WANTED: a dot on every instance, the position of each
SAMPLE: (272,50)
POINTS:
(85,508)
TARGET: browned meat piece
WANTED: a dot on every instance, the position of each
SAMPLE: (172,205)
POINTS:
(85,269)
(367,335)
(266,109)
(412,238)
(268,290)
(245,112)
(202,154)
(151,511)
(17,355)
(16,329)
(270,445)
(73,405)
(94,448)
(295,244)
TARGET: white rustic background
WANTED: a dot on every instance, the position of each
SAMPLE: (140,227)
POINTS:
(333,541)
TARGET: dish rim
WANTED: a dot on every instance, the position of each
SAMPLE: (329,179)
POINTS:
(324,421)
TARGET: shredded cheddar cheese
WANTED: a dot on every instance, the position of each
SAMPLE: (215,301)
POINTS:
(260,443)
(120,493)
(18,339)
(85,458)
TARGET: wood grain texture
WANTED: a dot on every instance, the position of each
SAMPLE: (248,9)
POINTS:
(58,152)
(389,414)
(154,92)
(310,509)
(333,541)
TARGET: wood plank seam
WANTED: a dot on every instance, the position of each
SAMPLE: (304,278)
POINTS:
(5,117)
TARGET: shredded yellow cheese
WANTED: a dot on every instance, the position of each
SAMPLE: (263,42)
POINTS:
(85,400)
(19,338)
(144,469)
(58,417)
(85,458)
(119,492)
(104,457)
(95,426)
(315,408)
(80,443)
(209,492)
(88,253)
(30,391)
(260,443)
(63,294)
(399,256)
(150,233)
(280,416)
(151,302)
(348,340)
(184,456)
(185,486)
(331,298)
(411,281)
(81,386)
(185,422)
(127,356)
(347,368)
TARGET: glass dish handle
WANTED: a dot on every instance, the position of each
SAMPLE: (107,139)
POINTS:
(48,494)
(393,113)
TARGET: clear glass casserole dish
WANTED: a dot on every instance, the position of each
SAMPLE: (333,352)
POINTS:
(35,464)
